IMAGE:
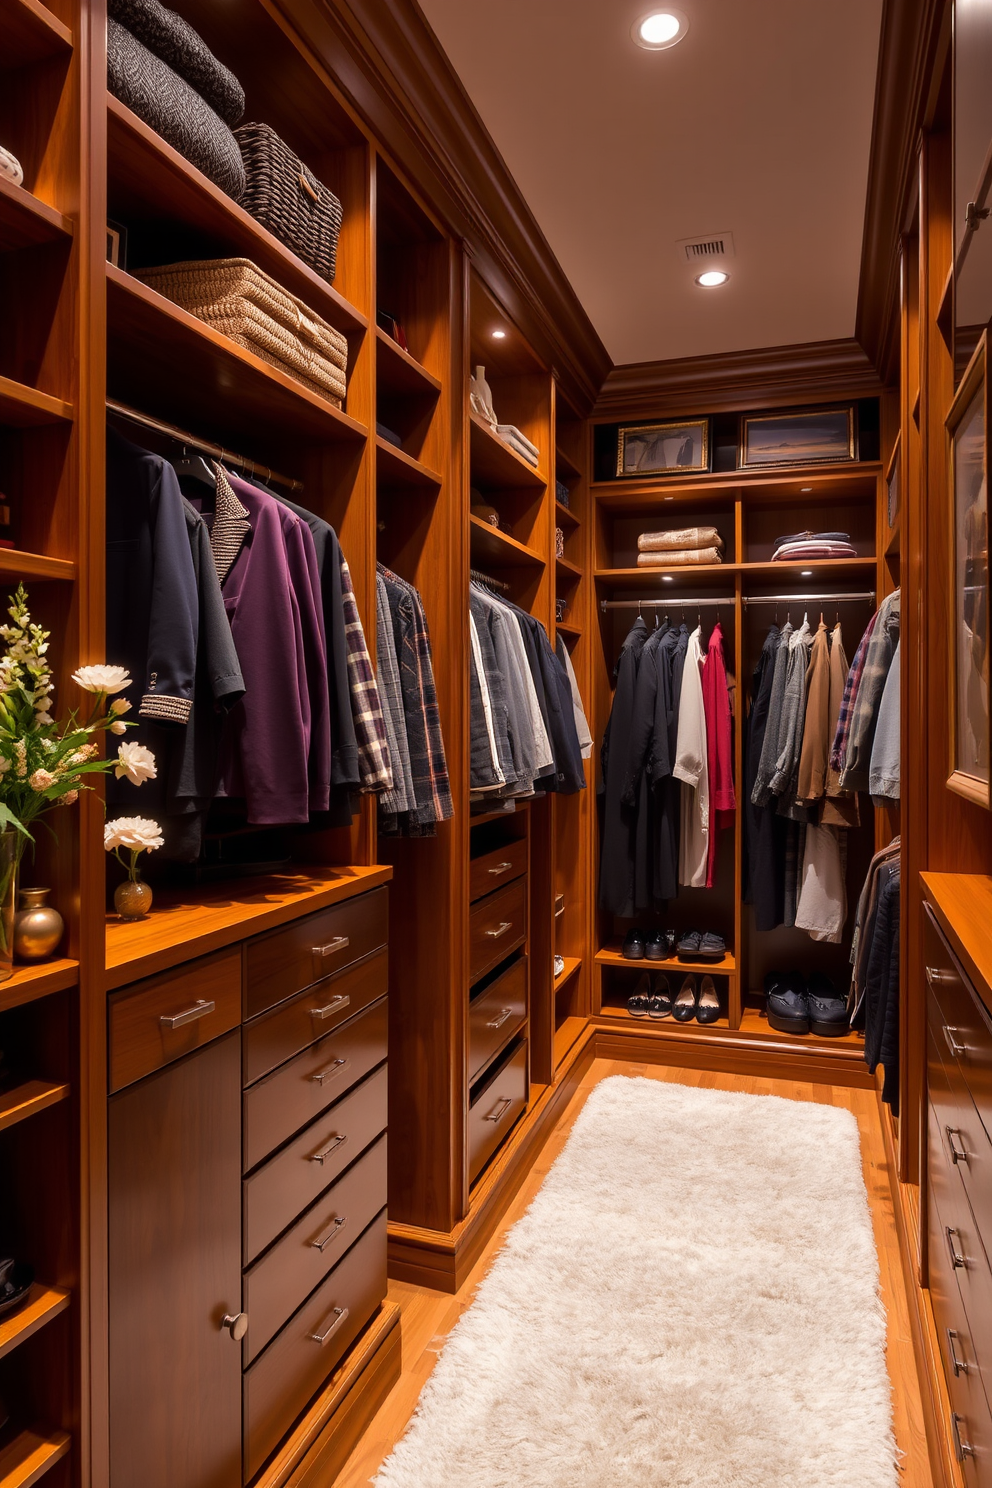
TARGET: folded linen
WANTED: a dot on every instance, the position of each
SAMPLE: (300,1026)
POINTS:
(808,536)
(814,549)
(679,558)
(680,540)
(517,442)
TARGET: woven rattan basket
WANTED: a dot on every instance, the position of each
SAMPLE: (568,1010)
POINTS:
(235,297)
(287,198)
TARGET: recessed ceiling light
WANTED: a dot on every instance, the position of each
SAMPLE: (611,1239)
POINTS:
(669,498)
(805,573)
(805,490)
(667,579)
(660,29)
(499,335)
(712,277)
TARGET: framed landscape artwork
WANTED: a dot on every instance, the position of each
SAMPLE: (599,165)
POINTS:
(820,436)
(664,449)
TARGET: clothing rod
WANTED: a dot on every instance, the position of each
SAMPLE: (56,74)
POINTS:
(657,601)
(481,578)
(202,445)
(868,597)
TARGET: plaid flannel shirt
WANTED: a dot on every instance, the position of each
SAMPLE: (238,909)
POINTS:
(864,714)
(375,769)
(427,761)
(838,752)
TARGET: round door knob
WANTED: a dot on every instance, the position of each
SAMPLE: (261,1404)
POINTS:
(237,1322)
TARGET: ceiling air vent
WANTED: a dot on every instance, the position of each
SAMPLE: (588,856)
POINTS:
(701,249)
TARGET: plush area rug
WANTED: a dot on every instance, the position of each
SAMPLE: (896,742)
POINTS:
(691,1301)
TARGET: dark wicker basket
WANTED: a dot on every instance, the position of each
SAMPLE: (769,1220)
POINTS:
(286,197)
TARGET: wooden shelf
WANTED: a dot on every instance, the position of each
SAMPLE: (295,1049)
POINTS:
(397,372)
(29,1457)
(611,956)
(499,549)
(617,1012)
(15,564)
(31,982)
(567,1035)
(754,1030)
(564,465)
(23,407)
(495,464)
(27,1100)
(489,816)
(181,369)
(394,467)
(184,925)
(43,1303)
(567,629)
(26,222)
(572,964)
(837,568)
(31,33)
(702,574)
(849,481)
(754,1024)
(568,570)
(150,182)
(565,514)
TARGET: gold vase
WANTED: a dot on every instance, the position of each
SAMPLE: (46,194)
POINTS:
(133,899)
(37,926)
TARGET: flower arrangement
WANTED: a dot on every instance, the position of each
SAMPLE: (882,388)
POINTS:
(137,834)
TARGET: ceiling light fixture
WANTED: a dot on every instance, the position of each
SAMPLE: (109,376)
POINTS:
(667,579)
(805,490)
(805,573)
(712,278)
(499,335)
(660,29)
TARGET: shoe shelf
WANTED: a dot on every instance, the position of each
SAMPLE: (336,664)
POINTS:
(29,1456)
(566,1035)
(27,1100)
(27,222)
(31,982)
(31,33)
(617,1012)
(394,467)
(611,955)
(755,1024)
(43,1303)
(495,464)
(23,407)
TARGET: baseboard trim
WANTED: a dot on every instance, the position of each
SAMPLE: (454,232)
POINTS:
(926,1348)
(735,1054)
(442,1260)
(327,1434)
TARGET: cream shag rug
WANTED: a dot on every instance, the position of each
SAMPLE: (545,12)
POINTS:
(691,1301)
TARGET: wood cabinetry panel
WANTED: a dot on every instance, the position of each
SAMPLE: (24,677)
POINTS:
(965,1029)
(162,1019)
(287,960)
(497,926)
(276,1036)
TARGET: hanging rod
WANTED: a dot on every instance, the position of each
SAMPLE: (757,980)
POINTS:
(663,601)
(867,597)
(204,446)
(481,578)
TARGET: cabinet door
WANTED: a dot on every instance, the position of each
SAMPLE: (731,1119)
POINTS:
(175,1272)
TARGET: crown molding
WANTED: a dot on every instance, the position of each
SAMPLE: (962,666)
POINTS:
(387,61)
(766,377)
(915,34)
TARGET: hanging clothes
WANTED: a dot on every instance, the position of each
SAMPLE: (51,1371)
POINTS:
(691,767)
(838,750)
(428,767)
(785,780)
(884,772)
(840,807)
(670,656)
(581,724)
(764,829)
(881,982)
(815,744)
(864,713)
(821,909)
(401,797)
(719,745)
(761,792)
(616,869)
(638,795)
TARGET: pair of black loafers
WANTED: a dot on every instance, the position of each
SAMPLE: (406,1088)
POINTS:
(796,1004)
(652,998)
(648,945)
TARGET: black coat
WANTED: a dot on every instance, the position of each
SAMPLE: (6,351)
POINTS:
(764,830)
(637,792)
(617,821)
(667,790)
(882,986)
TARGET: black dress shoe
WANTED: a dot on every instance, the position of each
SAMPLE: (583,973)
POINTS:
(708,1006)
(658,945)
(633,945)
(660,1001)
(827,1008)
(684,1007)
(689,945)
(640,999)
(788,1004)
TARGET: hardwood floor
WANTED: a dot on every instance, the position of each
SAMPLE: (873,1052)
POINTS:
(428,1317)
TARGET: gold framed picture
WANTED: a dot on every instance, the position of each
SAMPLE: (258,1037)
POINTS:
(967,444)
(664,449)
(810,436)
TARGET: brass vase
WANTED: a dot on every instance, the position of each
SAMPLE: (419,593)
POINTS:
(38,927)
(133,899)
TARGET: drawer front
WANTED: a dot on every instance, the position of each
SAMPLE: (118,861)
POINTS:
(289,1182)
(967,1029)
(276,1036)
(497,925)
(495,869)
(277,1284)
(284,962)
(294,1094)
(970,1426)
(967,1150)
(165,1017)
(496,1015)
(495,1109)
(959,1252)
(282,1381)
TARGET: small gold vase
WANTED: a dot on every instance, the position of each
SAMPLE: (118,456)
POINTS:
(38,927)
(133,899)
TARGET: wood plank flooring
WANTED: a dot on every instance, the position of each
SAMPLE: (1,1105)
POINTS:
(428,1316)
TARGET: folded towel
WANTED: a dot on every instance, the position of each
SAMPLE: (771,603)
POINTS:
(523,450)
(513,436)
(813,549)
(807,536)
(679,540)
(679,558)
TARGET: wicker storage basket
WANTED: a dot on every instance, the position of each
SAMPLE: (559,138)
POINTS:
(239,300)
(286,197)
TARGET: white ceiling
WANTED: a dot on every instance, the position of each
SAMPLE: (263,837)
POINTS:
(757,123)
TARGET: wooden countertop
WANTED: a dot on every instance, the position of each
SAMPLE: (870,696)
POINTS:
(962,903)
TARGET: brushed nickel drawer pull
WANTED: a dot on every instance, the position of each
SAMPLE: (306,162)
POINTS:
(958,1365)
(190,1015)
(340,1314)
(332,1071)
(957,1260)
(962,1447)
(236,1323)
(337,944)
(500,868)
(958,1050)
(501,929)
(958,1154)
(336,1227)
(935,976)
(332,1146)
(500,1110)
(500,1018)
(334,1006)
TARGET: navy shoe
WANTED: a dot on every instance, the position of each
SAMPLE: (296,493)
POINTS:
(788,1003)
(633,945)
(827,1008)
(712,947)
(689,944)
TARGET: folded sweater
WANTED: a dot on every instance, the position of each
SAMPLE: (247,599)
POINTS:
(678,558)
(679,540)
(813,549)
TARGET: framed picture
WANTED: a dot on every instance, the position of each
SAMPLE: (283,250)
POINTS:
(664,449)
(820,436)
(967,428)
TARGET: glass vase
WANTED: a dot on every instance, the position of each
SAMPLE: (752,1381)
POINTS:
(10,857)
(133,898)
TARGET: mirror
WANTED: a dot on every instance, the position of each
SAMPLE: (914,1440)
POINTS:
(972,176)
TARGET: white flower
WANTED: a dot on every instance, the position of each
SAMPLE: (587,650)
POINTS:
(102,678)
(43,719)
(137,833)
(70,798)
(21,756)
(118,728)
(120,705)
(136,762)
(41,780)
(4,764)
